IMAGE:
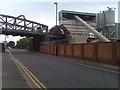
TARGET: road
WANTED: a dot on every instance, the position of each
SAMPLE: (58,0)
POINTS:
(55,72)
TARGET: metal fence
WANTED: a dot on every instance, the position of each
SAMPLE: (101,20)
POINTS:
(107,53)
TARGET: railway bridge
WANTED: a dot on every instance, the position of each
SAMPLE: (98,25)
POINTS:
(10,25)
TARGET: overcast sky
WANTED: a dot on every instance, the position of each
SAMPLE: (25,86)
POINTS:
(44,11)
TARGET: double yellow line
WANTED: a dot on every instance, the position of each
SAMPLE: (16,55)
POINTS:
(36,82)
(31,76)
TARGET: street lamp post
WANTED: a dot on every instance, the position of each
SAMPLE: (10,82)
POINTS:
(56,11)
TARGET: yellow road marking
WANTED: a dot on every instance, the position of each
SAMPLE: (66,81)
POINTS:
(29,74)
(32,75)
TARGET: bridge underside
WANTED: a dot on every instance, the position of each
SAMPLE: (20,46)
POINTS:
(35,40)
(19,33)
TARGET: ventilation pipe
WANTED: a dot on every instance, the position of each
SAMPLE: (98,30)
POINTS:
(100,36)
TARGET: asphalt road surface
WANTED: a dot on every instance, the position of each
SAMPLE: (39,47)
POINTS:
(55,72)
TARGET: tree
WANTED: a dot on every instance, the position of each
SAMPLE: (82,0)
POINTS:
(11,44)
(23,43)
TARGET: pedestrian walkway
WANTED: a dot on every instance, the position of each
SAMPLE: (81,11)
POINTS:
(11,76)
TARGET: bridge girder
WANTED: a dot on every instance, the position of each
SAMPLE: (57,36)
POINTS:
(10,25)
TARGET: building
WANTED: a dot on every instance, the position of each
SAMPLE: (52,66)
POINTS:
(78,32)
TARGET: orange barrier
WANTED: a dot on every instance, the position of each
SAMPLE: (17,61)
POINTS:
(69,51)
(90,52)
(78,51)
(61,50)
(108,53)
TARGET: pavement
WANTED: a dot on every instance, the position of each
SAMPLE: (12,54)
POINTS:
(11,76)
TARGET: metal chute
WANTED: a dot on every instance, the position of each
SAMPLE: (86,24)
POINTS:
(100,36)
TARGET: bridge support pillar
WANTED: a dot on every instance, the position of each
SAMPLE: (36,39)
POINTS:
(36,41)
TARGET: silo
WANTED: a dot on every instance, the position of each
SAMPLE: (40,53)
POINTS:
(98,20)
(110,17)
(102,19)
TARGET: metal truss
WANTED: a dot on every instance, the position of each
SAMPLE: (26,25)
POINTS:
(10,25)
